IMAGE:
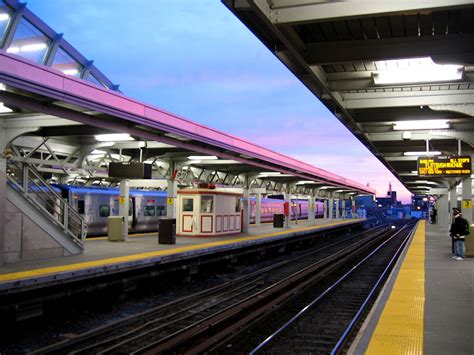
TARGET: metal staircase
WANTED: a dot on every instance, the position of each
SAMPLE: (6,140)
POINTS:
(32,195)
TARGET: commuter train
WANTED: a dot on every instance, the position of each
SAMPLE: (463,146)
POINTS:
(146,207)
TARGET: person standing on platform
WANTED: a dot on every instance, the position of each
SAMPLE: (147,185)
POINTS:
(458,231)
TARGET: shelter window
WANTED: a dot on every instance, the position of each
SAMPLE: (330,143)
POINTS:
(237,204)
(104,210)
(80,206)
(29,42)
(65,63)
(149,210)
(207,204)
(188,204)
(5,18)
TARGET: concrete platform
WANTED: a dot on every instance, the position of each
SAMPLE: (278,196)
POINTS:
(102,256)
(427,305)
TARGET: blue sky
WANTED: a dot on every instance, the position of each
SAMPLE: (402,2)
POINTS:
(195,59)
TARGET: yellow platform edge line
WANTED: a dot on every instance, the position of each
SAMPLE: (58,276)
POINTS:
(400,328)
(21,275)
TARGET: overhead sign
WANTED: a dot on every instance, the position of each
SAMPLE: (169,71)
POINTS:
(444,166)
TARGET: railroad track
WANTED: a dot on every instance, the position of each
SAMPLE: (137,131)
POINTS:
(181,324)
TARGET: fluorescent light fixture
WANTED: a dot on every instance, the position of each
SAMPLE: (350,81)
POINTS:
(33,47)
(71,72)
(415,70)
(202,157)
(270,173)
(4,109)
(98,151)
(420,124)
(117,137)
(421,154)
(4,16)
(302,182)
(13,50)
(196,161)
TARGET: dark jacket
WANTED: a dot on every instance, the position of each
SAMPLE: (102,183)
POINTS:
(459,228)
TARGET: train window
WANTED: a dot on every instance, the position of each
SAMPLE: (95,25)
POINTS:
(188,204)
(207,204)
(237,204)
(80,206)
(149,210)
(130,207)
(160,210)
(104,210)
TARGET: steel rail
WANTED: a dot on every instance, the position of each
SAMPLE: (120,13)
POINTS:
(270,338)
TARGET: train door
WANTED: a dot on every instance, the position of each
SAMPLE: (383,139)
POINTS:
(132,212)
(189,207)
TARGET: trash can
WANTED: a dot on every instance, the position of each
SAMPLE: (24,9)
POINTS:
(278,220)
(114,229)
(167,231)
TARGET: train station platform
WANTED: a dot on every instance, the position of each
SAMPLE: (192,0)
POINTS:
(427,305)
(104,257)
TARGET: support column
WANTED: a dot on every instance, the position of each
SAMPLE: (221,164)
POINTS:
(331,208)
(353,204)
(337,208)
(311,206)
(246,206)
(124,206)
(171,194)
(453,202)
(287,196)
(466,206)
(258,208)
(443,212)
(343,208)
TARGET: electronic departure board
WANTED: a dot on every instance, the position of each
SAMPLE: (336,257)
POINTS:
(444,166)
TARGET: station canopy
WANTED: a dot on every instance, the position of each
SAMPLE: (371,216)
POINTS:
(398,74)
(65,118)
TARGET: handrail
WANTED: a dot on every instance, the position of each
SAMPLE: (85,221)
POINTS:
(28,181)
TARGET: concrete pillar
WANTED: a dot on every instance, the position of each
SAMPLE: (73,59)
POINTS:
(171,194)
(443,211)
(124,206)
(453,202)
(287,196)
(331,208)
(246,209)
(343,209)
(353,204)
(337,208)
(311,207)
(258,208)
(466,205)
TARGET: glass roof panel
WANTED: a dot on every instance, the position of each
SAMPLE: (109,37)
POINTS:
(65,63)
(96,81)
(29,42)
(5,17)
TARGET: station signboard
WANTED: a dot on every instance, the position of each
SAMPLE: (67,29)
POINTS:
(444,166)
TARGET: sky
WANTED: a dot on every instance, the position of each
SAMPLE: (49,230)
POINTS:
(197,60)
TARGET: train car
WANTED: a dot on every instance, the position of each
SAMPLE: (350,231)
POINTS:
(271,206)
(97,204)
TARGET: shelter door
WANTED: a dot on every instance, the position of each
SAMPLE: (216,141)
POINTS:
(189,212)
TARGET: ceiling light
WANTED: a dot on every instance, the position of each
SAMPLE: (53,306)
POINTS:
(98,151)
(33,47)
(4,16)
(420,124)
(13,50)
(415,70)
(4,109)
(71,72)
(202,157)
(426,154)
(269,173)
(195,161)
(117,137)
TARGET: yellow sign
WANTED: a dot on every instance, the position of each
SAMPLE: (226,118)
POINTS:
(170,200)
(444,166)
(122,200)
(467,203)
